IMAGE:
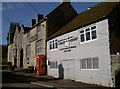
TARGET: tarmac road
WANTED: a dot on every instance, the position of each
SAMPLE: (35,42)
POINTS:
(11,81)
(20,81)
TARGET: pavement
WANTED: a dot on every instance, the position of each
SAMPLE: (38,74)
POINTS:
(55,83)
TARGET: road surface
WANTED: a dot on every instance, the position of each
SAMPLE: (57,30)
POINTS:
(10,80)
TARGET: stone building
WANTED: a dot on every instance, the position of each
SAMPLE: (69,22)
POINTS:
(15,44)
(82,47)
(28,42)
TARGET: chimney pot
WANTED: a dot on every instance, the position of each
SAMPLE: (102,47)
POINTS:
(33,22)
(39,17)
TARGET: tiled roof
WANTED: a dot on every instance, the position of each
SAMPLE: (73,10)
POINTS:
(59,17)
(94,14)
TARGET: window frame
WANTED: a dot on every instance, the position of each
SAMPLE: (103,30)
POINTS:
(54,65)
(86,64)
(53,45)
(85,32)
(39,47)
(92,30)
(28,50)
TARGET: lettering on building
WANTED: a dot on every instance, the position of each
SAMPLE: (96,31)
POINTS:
(67,49)
(68,40)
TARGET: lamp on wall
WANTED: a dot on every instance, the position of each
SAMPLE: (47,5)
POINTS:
(118,53)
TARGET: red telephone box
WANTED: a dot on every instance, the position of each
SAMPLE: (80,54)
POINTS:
(41,65)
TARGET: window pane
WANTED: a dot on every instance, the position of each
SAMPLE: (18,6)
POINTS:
(94,27)
(50,45)
(83,63)
(53,65)
(94,34)
(82,37)
(53,44)
(87,36)
(87,30)
(40,43)
(50,64)
(39,46)
(95,63)
(89,63)
(56,65)
(56,45)
(40,49)
(82,31)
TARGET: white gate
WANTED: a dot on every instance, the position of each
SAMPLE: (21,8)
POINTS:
(69,69)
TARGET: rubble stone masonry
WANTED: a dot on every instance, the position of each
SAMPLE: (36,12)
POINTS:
(115,66)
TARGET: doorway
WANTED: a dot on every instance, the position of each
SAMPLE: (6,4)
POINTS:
(15,62)
(21,58)
(69,69)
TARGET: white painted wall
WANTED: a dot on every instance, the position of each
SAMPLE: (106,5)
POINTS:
(98,48)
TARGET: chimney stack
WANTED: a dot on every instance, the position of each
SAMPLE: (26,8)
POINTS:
(39,17)
(33,22)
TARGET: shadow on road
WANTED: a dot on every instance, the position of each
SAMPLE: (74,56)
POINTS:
(8,77)
(25,88)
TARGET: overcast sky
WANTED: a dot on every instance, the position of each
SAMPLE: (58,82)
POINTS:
(23,12)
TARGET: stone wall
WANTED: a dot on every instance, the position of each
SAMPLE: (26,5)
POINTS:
(115,66)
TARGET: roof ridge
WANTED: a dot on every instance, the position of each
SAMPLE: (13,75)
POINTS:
(97,12)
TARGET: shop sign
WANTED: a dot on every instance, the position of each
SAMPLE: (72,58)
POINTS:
(67,49)
(67,40)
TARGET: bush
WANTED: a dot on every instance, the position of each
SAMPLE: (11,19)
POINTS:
(9,63)
(3,61)
(12,67)
(26,70)
(30,69)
